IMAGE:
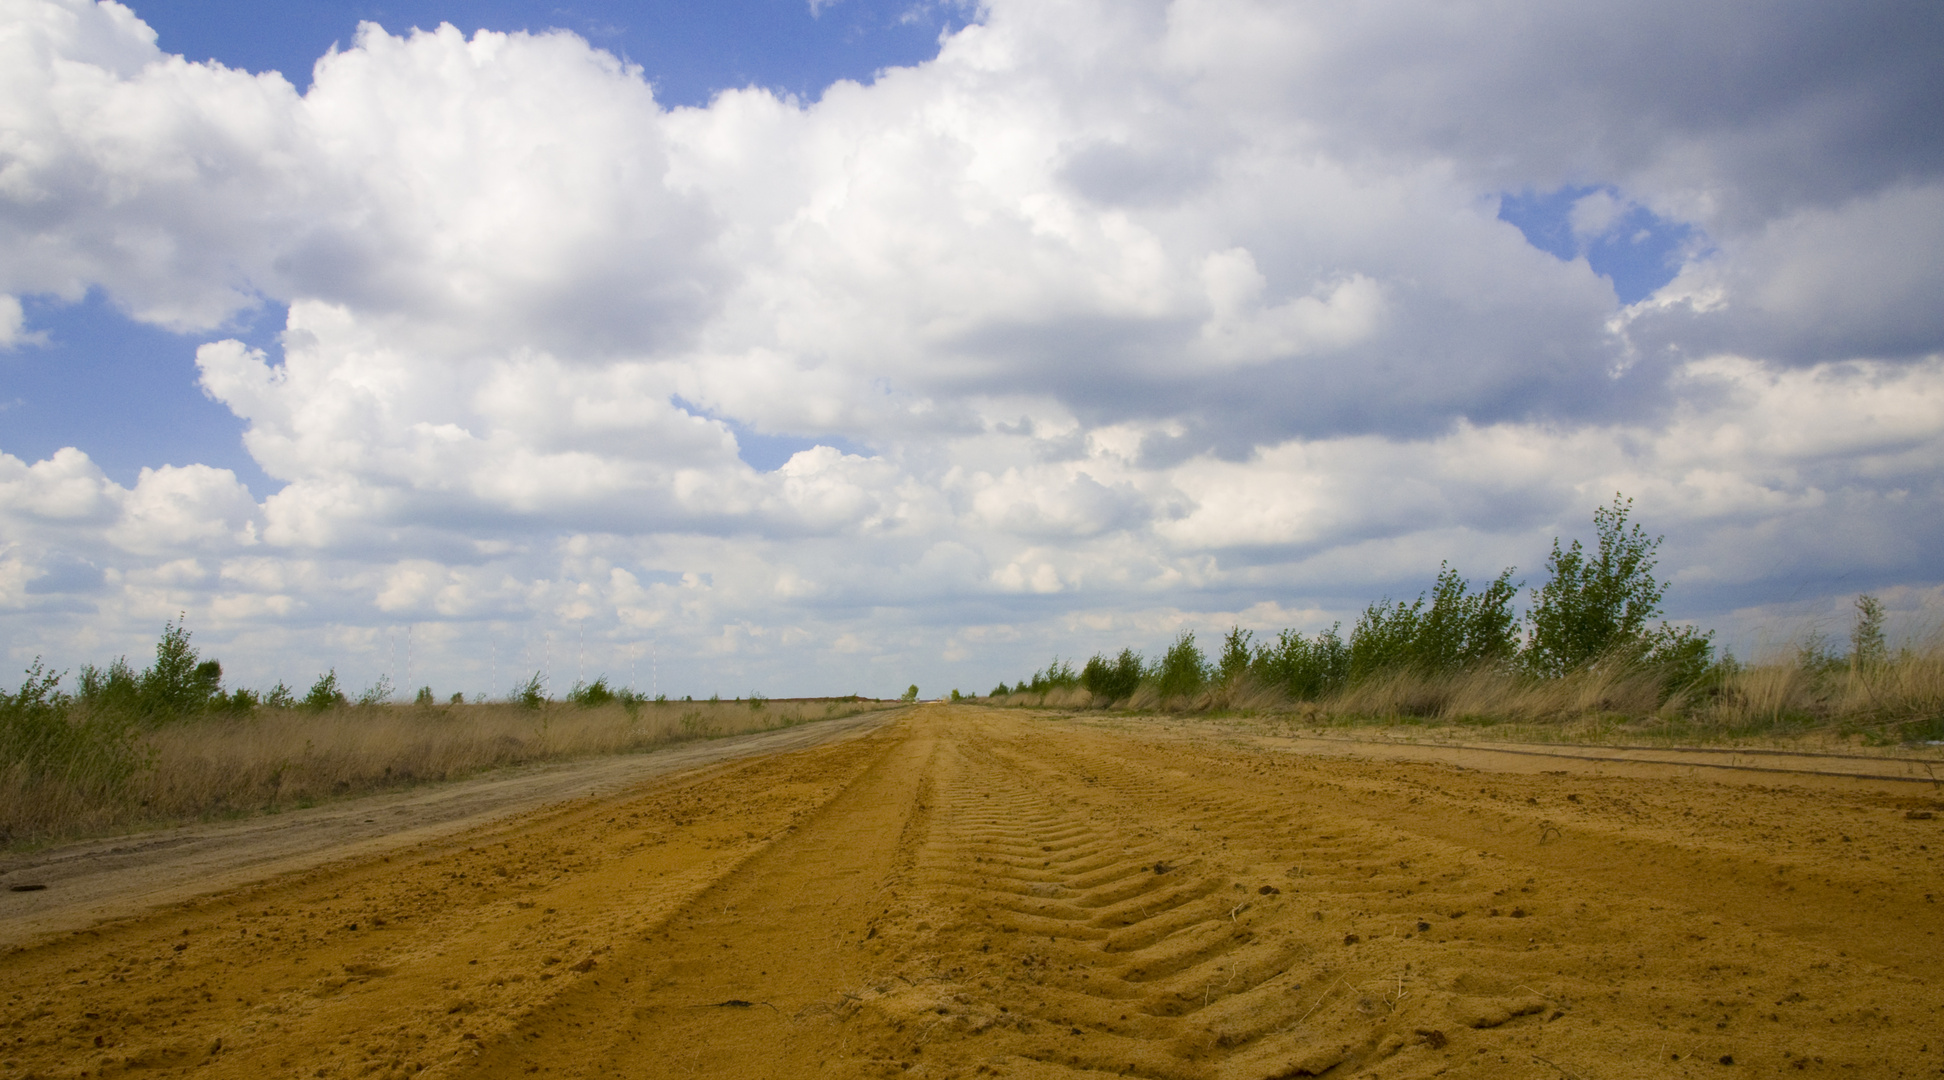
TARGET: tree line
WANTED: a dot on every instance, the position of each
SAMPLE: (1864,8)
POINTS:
(1596,606)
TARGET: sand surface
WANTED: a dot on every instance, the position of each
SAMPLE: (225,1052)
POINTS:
(963,892)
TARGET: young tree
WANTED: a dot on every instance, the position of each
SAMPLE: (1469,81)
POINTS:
(180,683)
(1183,668)
(1236,654)
(1598,604)
(1867,647)
(1116,679)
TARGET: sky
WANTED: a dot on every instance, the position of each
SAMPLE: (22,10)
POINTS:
(805,348)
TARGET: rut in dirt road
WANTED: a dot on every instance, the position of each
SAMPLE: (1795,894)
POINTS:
(1005,897)
(971,892)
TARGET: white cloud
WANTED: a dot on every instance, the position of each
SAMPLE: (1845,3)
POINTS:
(1111,320)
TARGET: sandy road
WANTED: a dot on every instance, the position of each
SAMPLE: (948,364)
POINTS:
(965,892)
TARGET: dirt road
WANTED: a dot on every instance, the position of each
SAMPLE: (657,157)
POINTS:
(965,892)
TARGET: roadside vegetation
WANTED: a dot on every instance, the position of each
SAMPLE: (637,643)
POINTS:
(168,743)
(1590,653)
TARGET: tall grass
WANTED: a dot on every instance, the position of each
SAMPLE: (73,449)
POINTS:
(1888,697)
(282,758)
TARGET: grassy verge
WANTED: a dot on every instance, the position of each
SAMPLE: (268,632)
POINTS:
(277,759)
(1805,699)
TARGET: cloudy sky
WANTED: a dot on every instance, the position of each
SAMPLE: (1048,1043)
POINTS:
(810,348)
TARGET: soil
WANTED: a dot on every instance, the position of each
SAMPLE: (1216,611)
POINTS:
(965,892)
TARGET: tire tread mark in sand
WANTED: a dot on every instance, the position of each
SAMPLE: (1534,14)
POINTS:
(1135,944)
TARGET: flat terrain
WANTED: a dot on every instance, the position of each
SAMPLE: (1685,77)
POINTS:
(951,891)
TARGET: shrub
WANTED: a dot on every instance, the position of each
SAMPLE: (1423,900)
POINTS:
(592,695)
(1867,647)
(1303,668)
(325,693)
(378,693)
(1183,670)
(910,694)
(1456,630)
(1236,655)
(1596,607)
(1116,679)
(530,694)
(1594,602)
(45,737)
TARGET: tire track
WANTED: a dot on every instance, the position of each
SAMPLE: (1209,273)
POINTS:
(972,893)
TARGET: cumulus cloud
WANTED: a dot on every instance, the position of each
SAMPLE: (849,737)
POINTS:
(1111,319)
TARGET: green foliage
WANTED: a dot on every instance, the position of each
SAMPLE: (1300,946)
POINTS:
(178,684)
(1867,645)
(376,694)
(1595,603)
(1449,629)
(325,693)
(956,696)
(116,689)
(1059,675)
(1183,669)
(1304,668)
(910,694)
(1236,655)
(424,699)
(46,736)
(1116,679)
(593,695)
(530,694)
(457,698)
(757,701)
(1596,607)
(280,697)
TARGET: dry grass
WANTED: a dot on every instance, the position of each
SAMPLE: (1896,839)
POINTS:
(281,759)
(1898,699)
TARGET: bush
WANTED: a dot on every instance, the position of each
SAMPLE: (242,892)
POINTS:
(1236,655)
(325,693)
(1303,668)
(1116,679)
(910,694)
(1867,646)
(1457,630)
(530,695)
(1596,607)
(46,737)
(592,695)
(1594,603)
(1183,670)
(180,685)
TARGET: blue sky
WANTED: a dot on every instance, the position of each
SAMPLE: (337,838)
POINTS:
(1065,326)
(688,51)
(127,392)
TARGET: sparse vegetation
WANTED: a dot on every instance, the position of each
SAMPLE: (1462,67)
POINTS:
(168,743)
(1589,646)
